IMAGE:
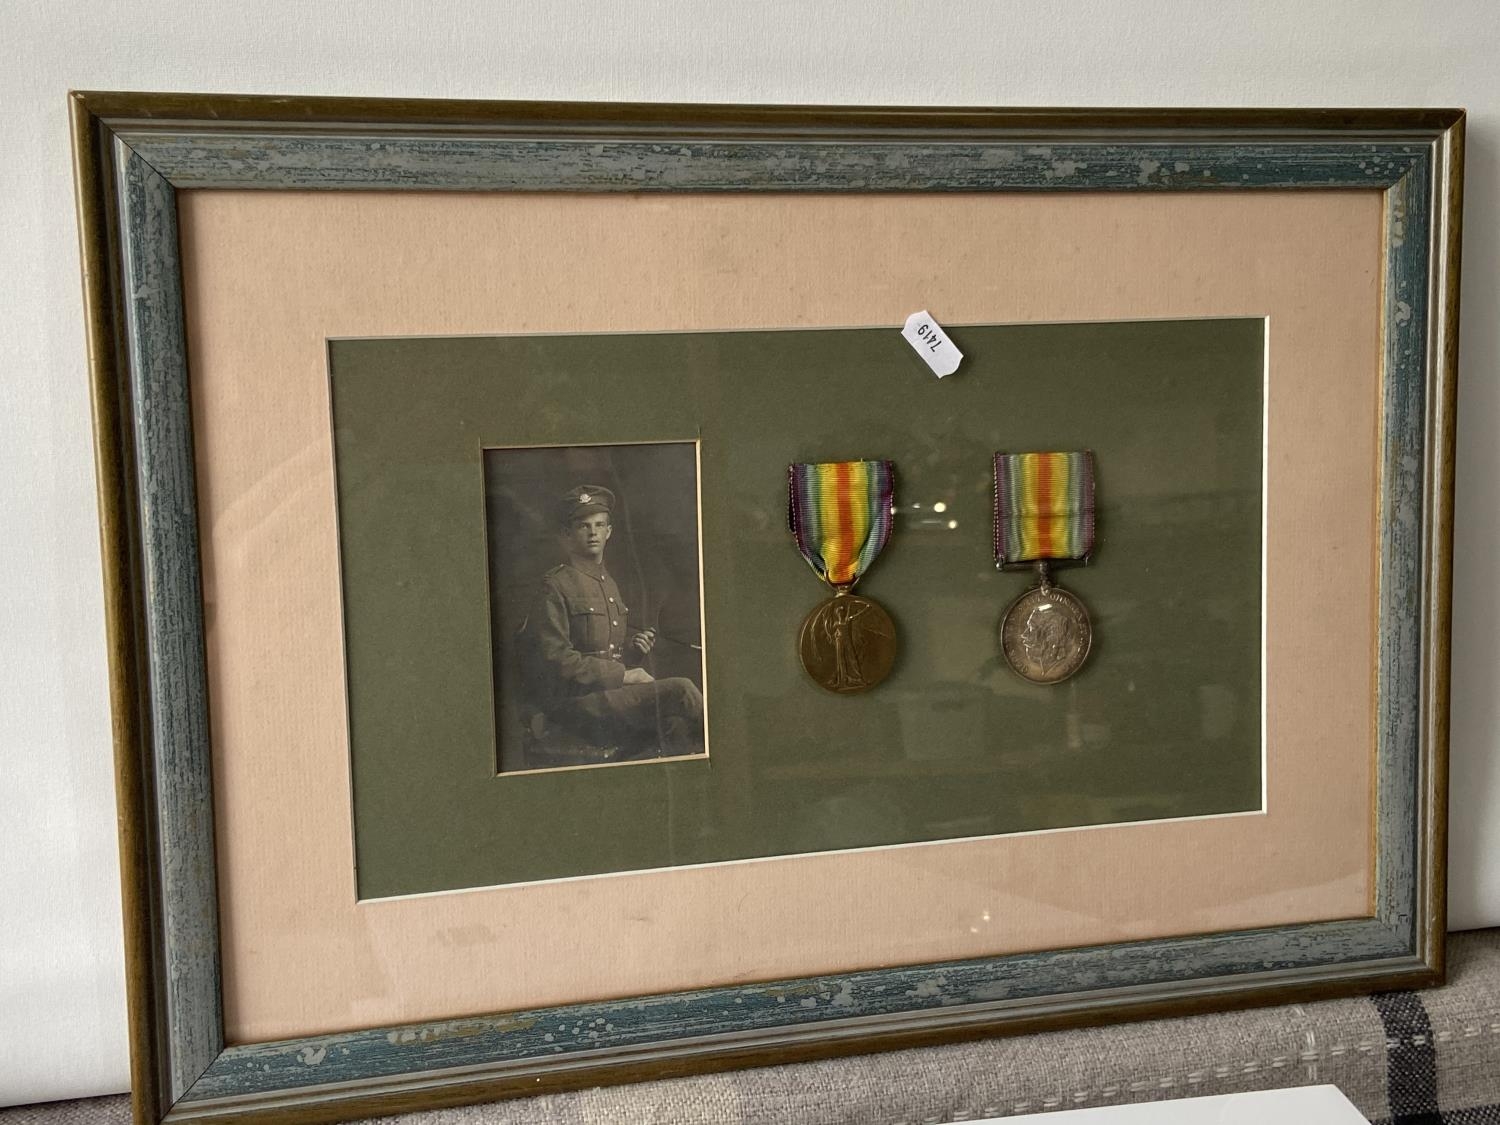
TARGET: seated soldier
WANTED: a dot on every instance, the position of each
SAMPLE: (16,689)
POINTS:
(582,661)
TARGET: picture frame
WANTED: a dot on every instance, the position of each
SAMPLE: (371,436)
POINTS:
(139,156)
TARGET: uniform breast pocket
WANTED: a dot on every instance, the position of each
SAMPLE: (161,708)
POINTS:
(589,624)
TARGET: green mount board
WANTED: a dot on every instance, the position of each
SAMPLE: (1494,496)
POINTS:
(1164,721)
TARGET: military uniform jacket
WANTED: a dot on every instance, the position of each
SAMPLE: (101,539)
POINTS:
(575,633)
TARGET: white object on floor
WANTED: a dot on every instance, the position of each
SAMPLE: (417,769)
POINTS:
(1304,1105)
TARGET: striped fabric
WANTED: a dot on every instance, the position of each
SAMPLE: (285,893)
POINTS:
(840,513)
(1044,506)
(1403,1058)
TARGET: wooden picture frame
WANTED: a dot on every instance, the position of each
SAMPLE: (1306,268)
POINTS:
(134,153)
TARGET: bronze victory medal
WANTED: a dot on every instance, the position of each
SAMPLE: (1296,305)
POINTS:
(840,513)
(1046,634)
(848,644)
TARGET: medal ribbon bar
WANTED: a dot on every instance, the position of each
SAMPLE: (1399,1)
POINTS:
(840,513)
(1044,506)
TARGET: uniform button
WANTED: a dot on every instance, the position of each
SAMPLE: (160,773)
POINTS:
(614,622)
(611,599)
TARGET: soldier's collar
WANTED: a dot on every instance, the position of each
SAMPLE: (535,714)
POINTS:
(593,570)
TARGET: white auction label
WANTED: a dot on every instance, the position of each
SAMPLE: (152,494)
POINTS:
(932,343)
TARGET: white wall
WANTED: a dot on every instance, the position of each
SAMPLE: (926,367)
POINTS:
(61,994)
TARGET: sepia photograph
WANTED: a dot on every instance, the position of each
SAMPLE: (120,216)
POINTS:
(595,604)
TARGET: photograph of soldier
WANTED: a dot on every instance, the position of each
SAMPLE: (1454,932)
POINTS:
(595,604)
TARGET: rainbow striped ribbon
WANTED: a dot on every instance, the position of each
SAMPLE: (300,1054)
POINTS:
(840,512)
(1044,506)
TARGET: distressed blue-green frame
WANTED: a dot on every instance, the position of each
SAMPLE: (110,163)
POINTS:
(135,152)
